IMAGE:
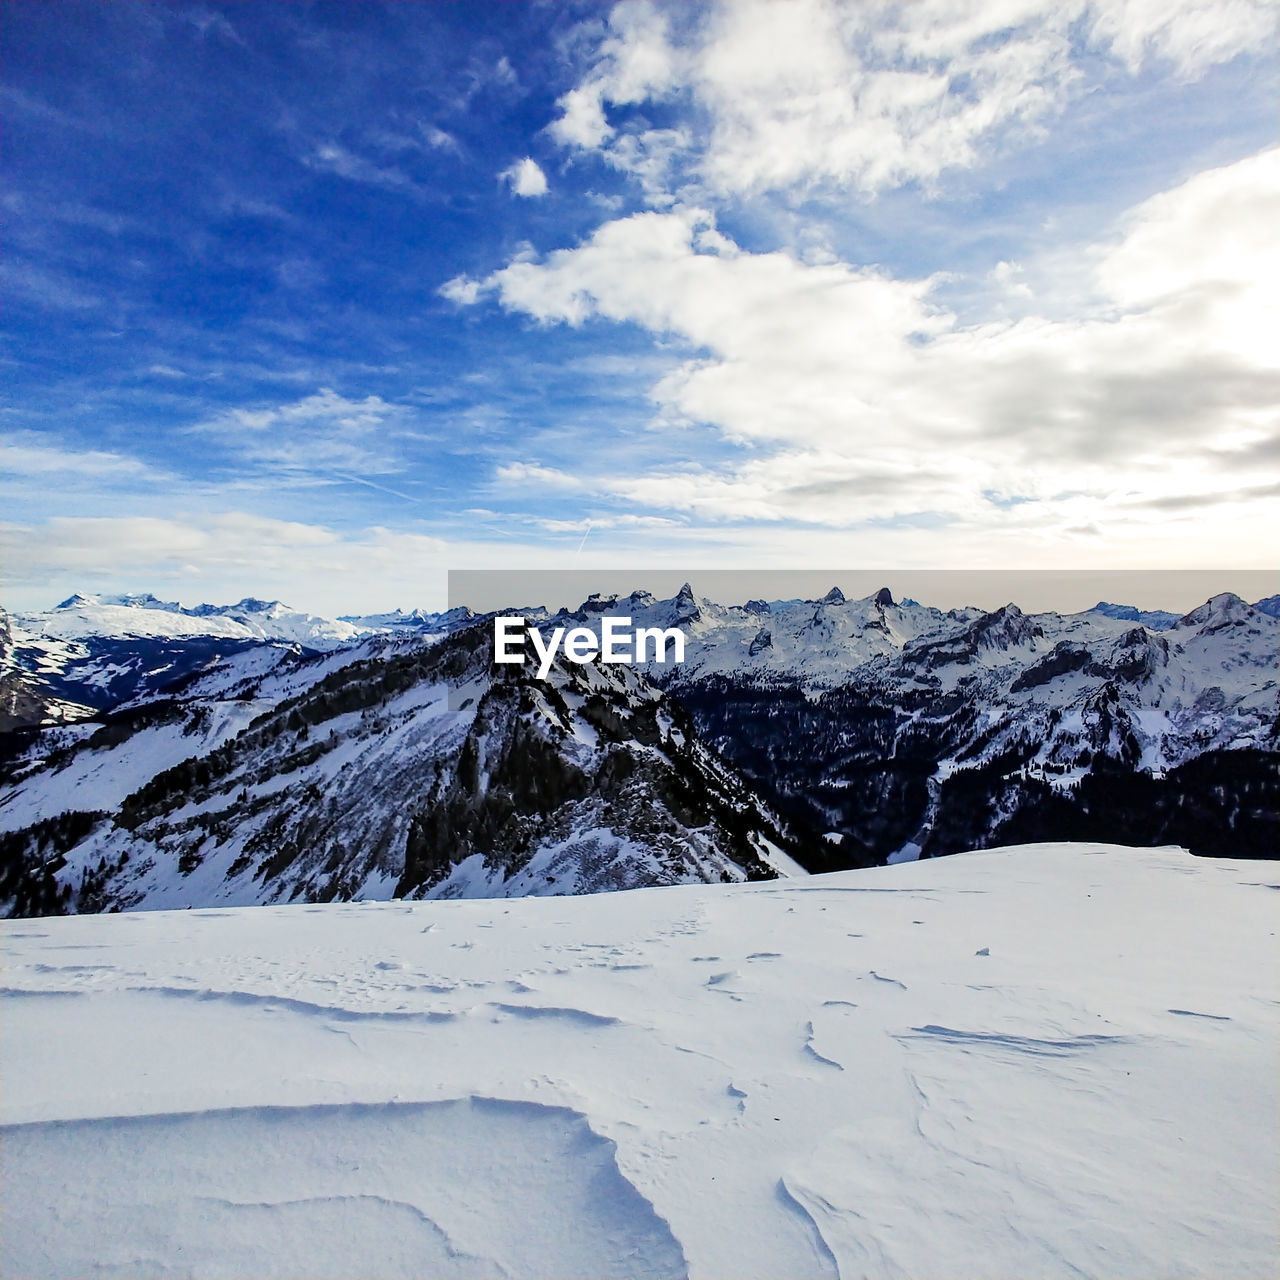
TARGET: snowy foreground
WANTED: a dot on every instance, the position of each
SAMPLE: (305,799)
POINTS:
(1059,1060)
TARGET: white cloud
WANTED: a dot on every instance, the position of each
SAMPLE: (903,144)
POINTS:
(465,292)
(650,157)
(324,432)
(581,122)
(439,139)
(633,61)
(1210,246)
(30,455)
(523,475)
(870,95)
(503,72)
(1190,34)
(860,399)
(221,556)
(525,178)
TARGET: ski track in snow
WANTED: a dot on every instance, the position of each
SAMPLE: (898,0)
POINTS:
(560,1087)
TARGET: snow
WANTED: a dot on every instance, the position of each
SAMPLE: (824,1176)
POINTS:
(98,779)
(145,616)
(1053,1060)
(781,861)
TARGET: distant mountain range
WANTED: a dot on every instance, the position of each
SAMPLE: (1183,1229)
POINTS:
(160,755)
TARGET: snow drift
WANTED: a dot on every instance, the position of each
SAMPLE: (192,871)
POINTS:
(1053,1061)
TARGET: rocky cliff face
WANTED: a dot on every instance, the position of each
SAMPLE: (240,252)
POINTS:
(23,703)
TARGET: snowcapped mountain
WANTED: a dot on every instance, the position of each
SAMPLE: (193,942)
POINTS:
(136,616)
(816,643)
(92,653)
(412,620)
(927,733)
(1152,619)
(404,763)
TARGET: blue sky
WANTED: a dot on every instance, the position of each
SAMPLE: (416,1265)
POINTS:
(317,301)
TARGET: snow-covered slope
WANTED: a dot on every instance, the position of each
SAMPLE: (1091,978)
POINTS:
(27,698)
(1053,1061)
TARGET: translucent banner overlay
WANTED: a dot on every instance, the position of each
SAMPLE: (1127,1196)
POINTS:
(520,623)
(1033,591)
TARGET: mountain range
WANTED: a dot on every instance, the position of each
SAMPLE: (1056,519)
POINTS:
(228,755)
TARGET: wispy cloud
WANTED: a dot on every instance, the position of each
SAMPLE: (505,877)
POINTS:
(330,157)
(873,95)
(775,280)
(29,454)
(49,287)
(323,432)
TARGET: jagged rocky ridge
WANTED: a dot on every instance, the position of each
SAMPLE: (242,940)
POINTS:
(835,732)
(408,769)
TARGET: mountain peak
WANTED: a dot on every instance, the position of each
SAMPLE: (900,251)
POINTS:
(1125,612)
(77,601)
(130,600)
(1153,619)
(834,596)
(1224,607)
(884,598)
(686,605)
